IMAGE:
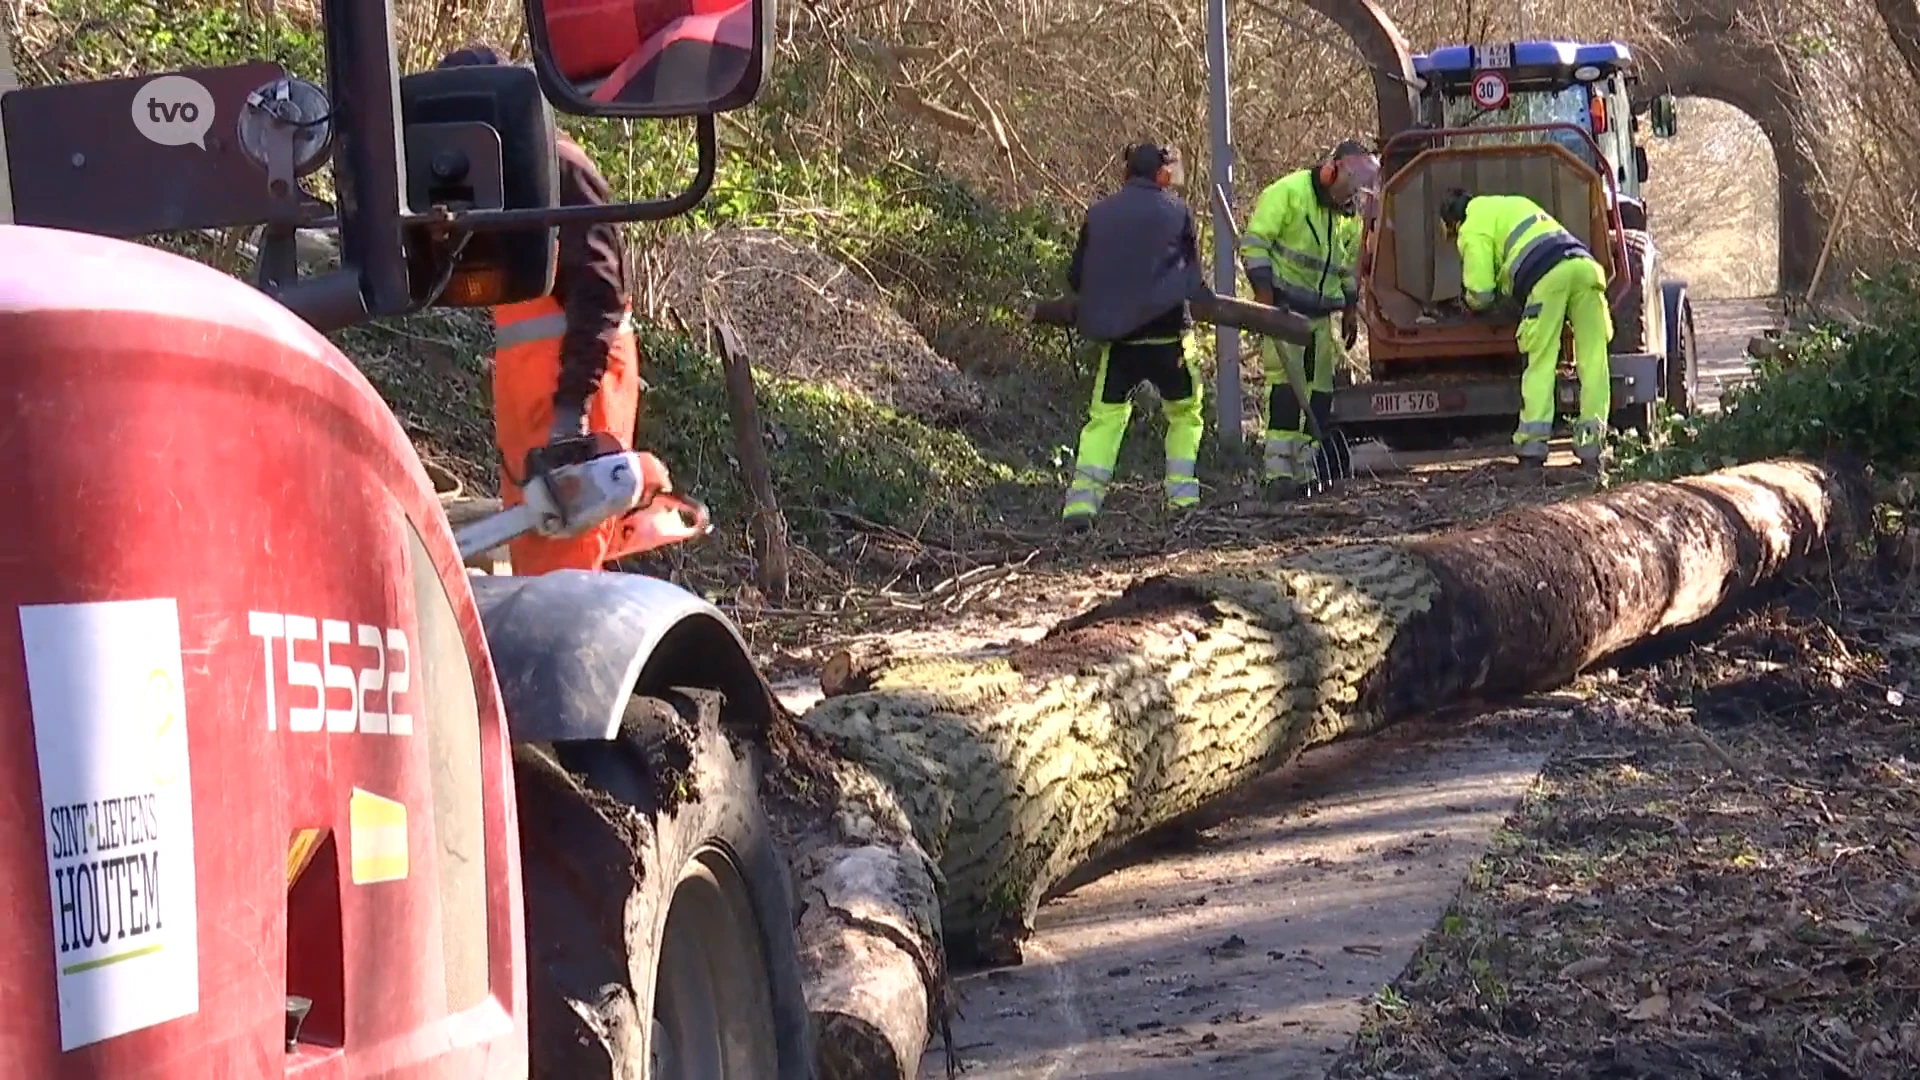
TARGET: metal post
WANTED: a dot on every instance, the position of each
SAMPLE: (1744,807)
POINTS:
(8,81)
(1226,267)
(362,74)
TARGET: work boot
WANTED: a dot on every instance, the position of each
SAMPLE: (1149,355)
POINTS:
(1589,458)
(1530,464)
(1078,523)
(1283,489)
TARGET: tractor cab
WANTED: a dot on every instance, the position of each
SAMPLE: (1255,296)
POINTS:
(1584,91)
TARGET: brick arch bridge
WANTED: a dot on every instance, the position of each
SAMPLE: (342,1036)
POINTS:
(1708,57)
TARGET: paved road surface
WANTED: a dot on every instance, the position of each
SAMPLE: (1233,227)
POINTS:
(1723,328)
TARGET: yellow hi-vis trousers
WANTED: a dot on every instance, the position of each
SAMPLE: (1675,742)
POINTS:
(1290,447)
(1170,365)
(1574,292)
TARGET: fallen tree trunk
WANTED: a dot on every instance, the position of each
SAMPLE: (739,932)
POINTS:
(1017,770)
(1274,322)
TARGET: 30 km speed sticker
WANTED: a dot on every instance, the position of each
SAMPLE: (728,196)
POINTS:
(1490,90)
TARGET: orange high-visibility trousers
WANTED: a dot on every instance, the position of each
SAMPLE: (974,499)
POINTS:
(526,371)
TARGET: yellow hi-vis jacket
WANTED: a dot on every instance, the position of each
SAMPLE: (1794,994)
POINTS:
(1507,243)
(1308,246)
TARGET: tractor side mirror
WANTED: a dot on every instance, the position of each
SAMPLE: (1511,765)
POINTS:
(1641,170)
(1665,117)
(650,58)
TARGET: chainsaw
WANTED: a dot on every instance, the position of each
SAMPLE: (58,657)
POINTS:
(575,484)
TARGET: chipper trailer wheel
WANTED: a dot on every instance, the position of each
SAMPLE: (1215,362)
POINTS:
(706,934)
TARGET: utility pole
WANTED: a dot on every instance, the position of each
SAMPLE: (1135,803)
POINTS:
(8,81)
(1226,267)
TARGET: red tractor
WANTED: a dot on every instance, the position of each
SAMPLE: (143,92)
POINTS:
(278,739)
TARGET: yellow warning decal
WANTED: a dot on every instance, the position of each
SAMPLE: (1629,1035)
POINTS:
(378,838)
(300,852)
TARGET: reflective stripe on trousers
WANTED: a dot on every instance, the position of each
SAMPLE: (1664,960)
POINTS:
(540,328)
(1289,456)
(1088,491)
(1169,365)
(1183,487)
(1530,438)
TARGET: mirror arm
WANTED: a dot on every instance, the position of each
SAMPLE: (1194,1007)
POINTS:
(706,135)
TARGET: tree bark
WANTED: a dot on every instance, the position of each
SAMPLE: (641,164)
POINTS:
(1015,771)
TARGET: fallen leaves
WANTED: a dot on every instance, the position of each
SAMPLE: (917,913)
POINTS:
(1743,904)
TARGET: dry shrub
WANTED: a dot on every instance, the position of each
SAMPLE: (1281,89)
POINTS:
(804,315)
(1034,99)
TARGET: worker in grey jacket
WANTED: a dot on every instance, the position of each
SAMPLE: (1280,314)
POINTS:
(1134,268)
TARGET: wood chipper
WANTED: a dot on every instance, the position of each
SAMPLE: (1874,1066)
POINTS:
(1554,121)
(268,743)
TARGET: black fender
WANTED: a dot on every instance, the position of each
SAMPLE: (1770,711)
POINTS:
(570,647)
(1633,213)
(1673,292)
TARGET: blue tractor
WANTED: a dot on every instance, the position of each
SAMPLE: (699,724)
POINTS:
(1555,121)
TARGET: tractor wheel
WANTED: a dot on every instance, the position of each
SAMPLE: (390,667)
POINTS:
(1683,351)
(1630,329)
(1630,313)
(710,987)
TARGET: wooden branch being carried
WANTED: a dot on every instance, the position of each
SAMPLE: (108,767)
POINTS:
(1013,772)
(1277,323)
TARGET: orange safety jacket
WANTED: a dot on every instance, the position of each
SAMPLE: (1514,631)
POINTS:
(526,371)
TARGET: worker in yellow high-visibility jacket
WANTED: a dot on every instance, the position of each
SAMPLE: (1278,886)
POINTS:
(1509,245)
(1298,250)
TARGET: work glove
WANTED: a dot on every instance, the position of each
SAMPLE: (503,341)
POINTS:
(569,421)
(1349,326)
(1261,278)
(1506,309)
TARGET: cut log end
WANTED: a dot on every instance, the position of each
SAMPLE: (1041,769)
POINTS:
(853,671)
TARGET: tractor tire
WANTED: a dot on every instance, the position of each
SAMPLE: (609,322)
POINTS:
(1630,314)
(1683,350)
(1630,329)
(663,947)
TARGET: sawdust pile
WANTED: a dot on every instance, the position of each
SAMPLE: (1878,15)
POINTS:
(802,314)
